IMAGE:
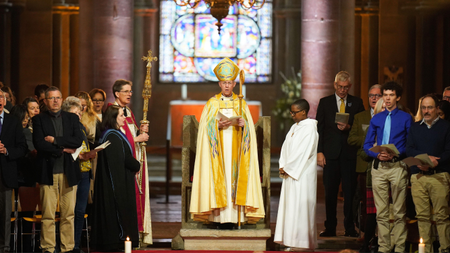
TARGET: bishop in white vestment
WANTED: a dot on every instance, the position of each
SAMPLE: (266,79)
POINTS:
(226,171)
(296,221)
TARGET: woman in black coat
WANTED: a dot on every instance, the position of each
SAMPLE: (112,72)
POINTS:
(114,208)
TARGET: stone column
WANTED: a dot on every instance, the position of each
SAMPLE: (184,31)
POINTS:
(347,40)
(65,48)
(366,50)
(320,49)
(292,13)
(145,38)
(5,41)
(112,44)
(86,48)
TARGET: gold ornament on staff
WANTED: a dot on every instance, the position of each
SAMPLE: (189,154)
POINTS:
(146,94)
(241,82)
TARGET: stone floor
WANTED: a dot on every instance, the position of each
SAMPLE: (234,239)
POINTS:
(166,217)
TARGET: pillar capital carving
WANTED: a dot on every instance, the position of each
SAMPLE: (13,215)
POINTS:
(145,12)
(415,7)
(288,13)
(65,9)
(65,2)
(144,4)
(370,7)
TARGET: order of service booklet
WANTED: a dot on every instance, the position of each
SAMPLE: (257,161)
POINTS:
(97,149)
(341,117)
(234,119)
(422,159)
(388,148)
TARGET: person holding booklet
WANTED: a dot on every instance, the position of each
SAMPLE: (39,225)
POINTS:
(226,172)
(335,155)
(388,172)
(114,214)
(431,138)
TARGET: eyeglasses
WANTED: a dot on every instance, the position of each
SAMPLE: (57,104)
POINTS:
(427,107)
(375,95)
(54,98)
(126,92)
(342,87)
(97,101)
(446,98)
(293,113)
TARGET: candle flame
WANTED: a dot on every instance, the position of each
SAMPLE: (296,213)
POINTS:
(421,240)
(128,238)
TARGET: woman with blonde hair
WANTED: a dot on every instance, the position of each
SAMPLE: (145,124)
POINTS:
(89,118)
(379,106)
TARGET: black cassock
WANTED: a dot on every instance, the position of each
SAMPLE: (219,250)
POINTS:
(114,215)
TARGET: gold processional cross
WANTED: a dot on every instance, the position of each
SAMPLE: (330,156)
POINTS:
(146,94)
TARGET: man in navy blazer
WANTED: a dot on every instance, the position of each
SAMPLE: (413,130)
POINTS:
(13,146)
(56,135)
(337,158)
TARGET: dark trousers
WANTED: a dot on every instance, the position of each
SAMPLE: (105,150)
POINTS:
(5,216)
(335,171)
(80,207)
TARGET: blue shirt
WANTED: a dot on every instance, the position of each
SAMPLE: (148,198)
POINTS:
(400,123)
(3,116)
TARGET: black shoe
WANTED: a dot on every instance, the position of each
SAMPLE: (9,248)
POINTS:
(327,233)
(351,233)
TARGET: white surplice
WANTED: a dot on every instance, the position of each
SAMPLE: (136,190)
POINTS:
(296,221)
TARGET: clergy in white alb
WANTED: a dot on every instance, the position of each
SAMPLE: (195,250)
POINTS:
(226,171)
(296,220)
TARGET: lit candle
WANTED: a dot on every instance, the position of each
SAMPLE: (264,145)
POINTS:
(184,91)
(421,246)
(128,245)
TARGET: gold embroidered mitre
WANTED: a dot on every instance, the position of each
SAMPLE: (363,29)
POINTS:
(226,70)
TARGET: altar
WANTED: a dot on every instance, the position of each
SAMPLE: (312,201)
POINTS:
(179,108)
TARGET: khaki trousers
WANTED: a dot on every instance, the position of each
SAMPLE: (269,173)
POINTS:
(49,200)
(434,188)
(391,176)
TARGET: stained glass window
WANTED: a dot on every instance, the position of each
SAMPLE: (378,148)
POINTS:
(190,46)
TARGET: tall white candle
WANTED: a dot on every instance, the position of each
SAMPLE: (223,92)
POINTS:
(244,90)
(184,91)
(421,246)
(128,245)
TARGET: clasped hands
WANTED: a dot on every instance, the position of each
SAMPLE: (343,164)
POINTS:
(227,123)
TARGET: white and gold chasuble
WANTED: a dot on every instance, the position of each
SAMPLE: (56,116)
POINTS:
(226,171)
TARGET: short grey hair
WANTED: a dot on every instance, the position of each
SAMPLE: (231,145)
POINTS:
(342,76)
(446,89)
(374,87)
(71,102)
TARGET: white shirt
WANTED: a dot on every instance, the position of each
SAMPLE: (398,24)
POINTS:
(338,101)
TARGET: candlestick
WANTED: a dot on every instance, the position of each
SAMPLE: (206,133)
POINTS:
(421,246)
(184,91)
(128,245)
